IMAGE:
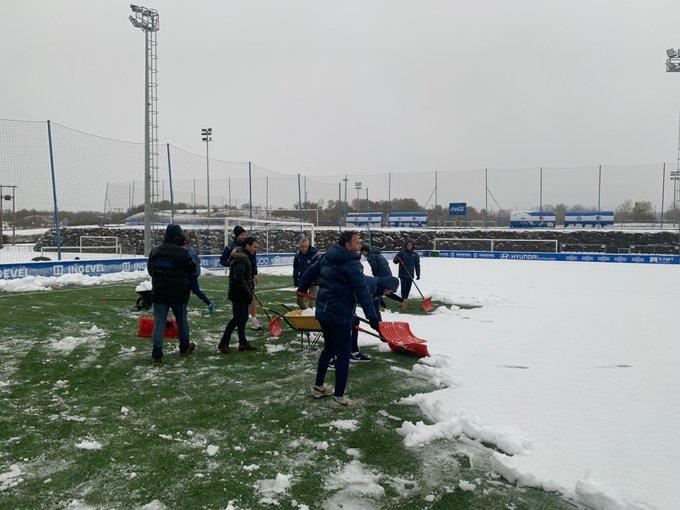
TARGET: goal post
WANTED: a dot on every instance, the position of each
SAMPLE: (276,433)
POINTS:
(265,230)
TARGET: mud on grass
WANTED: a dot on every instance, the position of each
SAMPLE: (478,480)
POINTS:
(86,419)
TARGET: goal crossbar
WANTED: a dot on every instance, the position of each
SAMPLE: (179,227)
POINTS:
(266,226)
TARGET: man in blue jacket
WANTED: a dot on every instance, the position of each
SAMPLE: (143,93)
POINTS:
(194,286)
(408,261)
(301,262)
(341,286)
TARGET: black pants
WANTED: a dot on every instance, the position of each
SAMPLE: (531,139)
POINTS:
(238,322)
(336,342)
(405,287)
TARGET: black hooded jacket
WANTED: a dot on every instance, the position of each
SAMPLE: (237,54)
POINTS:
(240,276)
(169,266)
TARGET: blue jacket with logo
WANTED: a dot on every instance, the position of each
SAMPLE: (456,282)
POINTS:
(341,285)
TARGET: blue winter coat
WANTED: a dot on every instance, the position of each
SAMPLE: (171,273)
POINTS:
(377,286)
(411,261)
(341,285)
(301,263)
(379,265)
(194,256)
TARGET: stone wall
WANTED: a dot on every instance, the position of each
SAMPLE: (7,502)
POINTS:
(212,240)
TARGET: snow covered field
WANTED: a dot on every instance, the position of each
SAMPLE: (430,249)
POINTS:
(569,369)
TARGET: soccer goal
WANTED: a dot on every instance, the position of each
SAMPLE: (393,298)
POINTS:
(470,244)
(274,235)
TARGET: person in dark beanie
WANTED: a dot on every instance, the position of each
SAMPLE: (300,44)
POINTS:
(194,286)
(240,294)
(239,237)
(303,259)
(341,286)
(170,266)
(408,261)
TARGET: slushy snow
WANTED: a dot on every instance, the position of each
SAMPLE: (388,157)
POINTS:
(569,369)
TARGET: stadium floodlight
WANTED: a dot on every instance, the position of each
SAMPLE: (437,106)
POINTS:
(206,136)
(147,20)
(673,66)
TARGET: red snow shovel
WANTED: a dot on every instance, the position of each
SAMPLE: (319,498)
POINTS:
(427,301)
(274,327)
(399,337)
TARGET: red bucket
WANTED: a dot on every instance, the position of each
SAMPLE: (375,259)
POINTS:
(145,328)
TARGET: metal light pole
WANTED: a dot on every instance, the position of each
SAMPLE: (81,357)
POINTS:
(673,66)
(345,181)
(206,136)
(148,21)
(357,186)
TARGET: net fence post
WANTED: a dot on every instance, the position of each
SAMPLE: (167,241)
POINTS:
(300,201)
(663,191)
(57,227)
(172,193)
(250,190)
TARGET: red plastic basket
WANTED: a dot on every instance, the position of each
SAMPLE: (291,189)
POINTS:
(145,327)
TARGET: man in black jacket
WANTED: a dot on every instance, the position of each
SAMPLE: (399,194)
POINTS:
(169,266)
(240,294)
(239,238)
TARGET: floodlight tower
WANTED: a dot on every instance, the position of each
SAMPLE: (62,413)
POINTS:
(673,66)
(147,20)
(206,136)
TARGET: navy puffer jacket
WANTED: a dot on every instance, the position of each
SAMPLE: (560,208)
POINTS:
(377,286)
(301,263)
(341,285)
(379,265)
(411,260)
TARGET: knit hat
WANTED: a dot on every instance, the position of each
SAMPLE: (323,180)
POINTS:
(238,230)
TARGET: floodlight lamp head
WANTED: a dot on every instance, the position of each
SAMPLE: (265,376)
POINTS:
(135,8)
(672,53)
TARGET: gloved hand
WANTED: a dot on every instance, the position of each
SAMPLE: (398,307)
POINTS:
(374,323)
(299,293)
(418,277)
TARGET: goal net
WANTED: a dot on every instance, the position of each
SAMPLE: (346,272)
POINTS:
(274,236)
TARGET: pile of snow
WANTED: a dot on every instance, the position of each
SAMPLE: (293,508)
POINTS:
(11,478)
(272,348)
(349,425)
(43,283)
(68,344)
(272,489)
(354,479)
(87,444)
(212,450)
(143,286)
(569,369)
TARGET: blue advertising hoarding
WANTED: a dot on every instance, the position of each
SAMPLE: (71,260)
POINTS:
(458,209)
(408,219)
(362,220)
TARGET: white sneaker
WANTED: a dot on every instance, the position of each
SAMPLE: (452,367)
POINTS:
(323,391)
(255,324)
(342,402)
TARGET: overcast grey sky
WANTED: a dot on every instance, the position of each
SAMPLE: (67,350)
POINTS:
(323,87)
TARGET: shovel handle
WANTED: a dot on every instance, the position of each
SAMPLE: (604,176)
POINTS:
(382,338)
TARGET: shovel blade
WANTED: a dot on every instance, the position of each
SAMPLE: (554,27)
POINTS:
(427,304)
(401,339)
(275,328)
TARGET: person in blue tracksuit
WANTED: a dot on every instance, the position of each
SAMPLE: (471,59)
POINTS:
(408,261)
(303,259)
(194,286)
(341,286)
(378,264)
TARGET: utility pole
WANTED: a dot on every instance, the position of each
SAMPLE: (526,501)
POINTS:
(345,179)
